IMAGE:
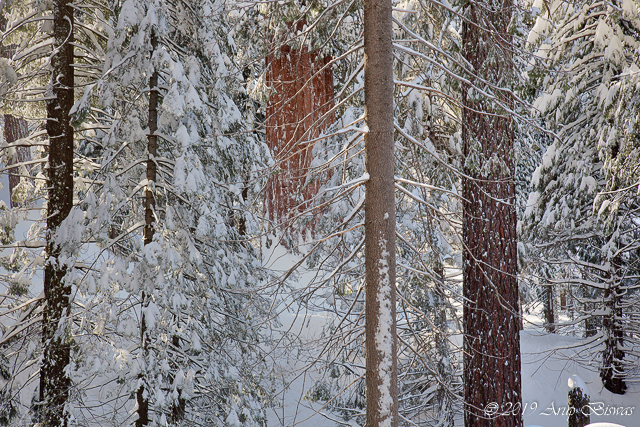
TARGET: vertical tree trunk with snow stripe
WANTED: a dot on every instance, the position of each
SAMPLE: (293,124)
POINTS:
(380,218)
(491,309)
(54,380)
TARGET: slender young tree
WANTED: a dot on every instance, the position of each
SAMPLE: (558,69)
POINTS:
(380,217)
(149,220)
(54,379)
(491,308)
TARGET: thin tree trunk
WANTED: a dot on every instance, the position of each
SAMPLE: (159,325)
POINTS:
(54,381)
(149,228)
(549,315)
(491,309)
(380,218)
(445,411)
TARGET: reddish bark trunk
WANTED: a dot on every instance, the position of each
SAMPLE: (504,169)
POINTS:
(298,111)
(491,308)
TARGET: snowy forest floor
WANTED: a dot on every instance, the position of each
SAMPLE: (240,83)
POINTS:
(548,361)
(547,364)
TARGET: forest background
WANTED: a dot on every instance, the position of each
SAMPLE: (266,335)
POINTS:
(186,186)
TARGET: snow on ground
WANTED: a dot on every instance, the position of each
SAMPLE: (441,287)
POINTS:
(547,364)
(297,377)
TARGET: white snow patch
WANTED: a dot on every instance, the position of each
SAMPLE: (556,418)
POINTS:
(383,337)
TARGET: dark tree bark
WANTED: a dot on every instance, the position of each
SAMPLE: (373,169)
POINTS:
(54,382)
(149,225)
(298,111)
(612,371)
(380,218)
(491,309)
(549,314)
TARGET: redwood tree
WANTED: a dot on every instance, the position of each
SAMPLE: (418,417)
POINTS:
(491,308)
(298,111)
(54,379)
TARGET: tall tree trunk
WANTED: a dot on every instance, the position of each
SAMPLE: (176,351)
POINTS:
(380,218)
(491,308)
(288,119)
(149,226)
(54,381)
(302,94)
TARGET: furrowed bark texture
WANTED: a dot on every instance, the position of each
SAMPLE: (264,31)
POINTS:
(380,264)
(491,310)
(142,397)
(54,382)
(298,111)
(612,371)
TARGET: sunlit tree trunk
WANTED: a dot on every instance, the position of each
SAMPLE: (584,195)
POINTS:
(54,380)
(380,218)
(491,309)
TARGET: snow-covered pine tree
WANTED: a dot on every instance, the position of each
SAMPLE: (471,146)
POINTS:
(204,317)
(15,129)
(428,148)
(175,275)
(577,210)
(45,71)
